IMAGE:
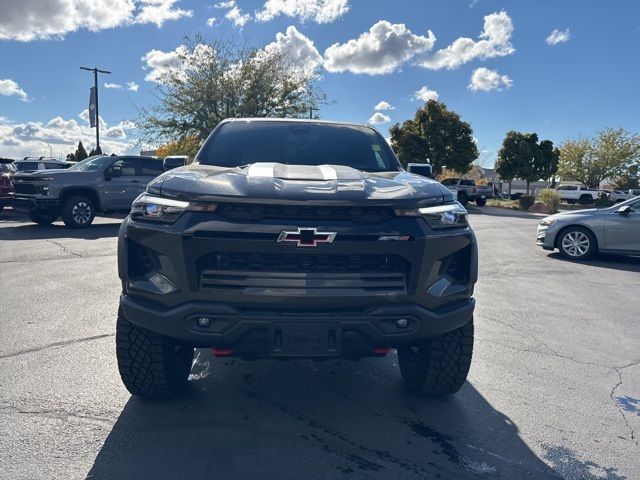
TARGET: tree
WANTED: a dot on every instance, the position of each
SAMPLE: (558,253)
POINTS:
(520,157)
(209,82)
(95,151)
(185,146)
(437,135)
(71,157)
(610,154)
(551,157)
(81,153)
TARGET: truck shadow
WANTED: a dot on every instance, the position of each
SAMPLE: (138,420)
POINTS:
(317,420)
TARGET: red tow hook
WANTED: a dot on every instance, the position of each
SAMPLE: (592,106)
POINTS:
(381,350)
(222,352)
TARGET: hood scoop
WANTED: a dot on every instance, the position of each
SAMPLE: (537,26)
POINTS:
(320,173)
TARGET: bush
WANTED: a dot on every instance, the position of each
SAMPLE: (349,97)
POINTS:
(550,198)
(603,201)
(525,201)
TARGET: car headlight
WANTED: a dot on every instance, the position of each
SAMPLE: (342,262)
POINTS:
(548,222)
(451,215)
(163,209)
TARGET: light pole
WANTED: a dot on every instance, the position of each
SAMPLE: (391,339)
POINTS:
(95,82)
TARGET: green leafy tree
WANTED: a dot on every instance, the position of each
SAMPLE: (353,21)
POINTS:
(81,153)
(436,134)
(521,156)
(612,153)
(71,157)
(551,158)
(213,81)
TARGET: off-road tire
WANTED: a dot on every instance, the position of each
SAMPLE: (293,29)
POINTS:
(151,365)
(585,200)
(463,198)
(569,236)
(439,366)
(78,212)
(42,218)
(481,202)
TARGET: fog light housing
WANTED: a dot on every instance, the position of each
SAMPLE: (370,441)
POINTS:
(204,322)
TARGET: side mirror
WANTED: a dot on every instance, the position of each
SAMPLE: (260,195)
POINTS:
(174,162)
(626,210)
(424,169)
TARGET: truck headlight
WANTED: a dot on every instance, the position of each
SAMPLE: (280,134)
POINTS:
(451,215)
(163,209)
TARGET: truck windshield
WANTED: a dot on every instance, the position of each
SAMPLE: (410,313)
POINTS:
(91,164)
(297,143)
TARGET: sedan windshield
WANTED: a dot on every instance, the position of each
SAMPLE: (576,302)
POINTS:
(297,143)
(91,164)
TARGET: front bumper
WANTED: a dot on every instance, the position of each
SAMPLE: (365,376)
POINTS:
(29,204)
(225,271)
(546,237)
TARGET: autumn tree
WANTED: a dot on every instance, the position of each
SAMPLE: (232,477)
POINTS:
(612,153)
(209,82)
(186,146)
(438,135)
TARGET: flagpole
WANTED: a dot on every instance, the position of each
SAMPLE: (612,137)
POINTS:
(95,83)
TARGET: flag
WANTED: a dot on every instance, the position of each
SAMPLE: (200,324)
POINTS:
(92,107)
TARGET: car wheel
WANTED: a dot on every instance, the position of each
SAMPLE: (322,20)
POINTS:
(78,212)
(463,199)
(585,199)
(438,367)
(151,365)
(42,218)
(577,243)
(481,202)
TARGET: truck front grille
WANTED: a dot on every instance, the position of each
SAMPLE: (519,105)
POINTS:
(27,188)
(255,212)
(266,274)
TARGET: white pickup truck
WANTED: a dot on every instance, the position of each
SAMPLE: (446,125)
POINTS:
(578,193)
(467,191)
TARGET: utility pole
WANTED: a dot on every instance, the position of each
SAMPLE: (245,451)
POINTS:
(311,110)
(95,82)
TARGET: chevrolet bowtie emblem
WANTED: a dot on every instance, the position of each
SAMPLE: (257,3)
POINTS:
(307,237)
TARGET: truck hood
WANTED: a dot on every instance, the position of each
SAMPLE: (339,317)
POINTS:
(278,183)
(35,175)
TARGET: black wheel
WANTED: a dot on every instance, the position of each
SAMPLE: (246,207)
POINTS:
(42,218)
(78,212)
(481,202)
(585,199)
(151,365)
(577,243)
(439,366)
(463,198)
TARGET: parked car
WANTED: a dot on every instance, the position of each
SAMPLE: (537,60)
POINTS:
(621,195)
(6,186)
(29,164)
(98,184)
(467,190)
(581,234)
(578,193)
(295,239)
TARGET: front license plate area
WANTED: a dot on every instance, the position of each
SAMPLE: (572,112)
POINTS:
(304,339)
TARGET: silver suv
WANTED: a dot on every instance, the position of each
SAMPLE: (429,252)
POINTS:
(98,184)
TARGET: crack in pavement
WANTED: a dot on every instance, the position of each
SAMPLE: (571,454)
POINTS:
(60,415)
(553,353)
(55,344)
(63,248)
(57,258)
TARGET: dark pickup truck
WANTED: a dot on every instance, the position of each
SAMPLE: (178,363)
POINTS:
(295,239)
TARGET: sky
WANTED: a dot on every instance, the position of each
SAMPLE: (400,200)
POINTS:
(562,69)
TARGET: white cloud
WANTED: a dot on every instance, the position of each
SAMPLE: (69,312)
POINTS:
(378,118)
(30,138)
(381,50)
(319,11)
(211,22)
(381,106)
(132,86)
(236,16)
(495,41)
(159,63)
(112,85)
(487,80)
(229,4)
(8,87)
(27,20)
(425,94)
(557,37)
(299,51)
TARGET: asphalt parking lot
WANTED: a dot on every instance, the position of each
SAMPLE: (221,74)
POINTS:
(554,388)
